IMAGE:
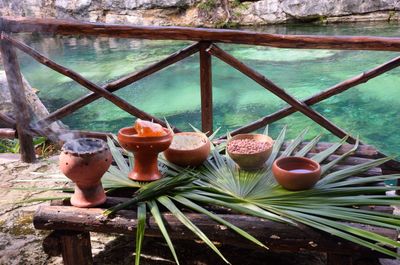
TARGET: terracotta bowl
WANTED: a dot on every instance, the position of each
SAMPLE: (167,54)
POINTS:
(85,168)
(189,157)
(296,173)
(145,150)
(251,161)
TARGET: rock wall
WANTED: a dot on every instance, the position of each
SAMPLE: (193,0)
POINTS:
(206,12)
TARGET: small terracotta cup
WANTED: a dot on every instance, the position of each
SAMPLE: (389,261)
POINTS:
(296,173)
(85,167)
(145,150)
(189,157)
(251,161)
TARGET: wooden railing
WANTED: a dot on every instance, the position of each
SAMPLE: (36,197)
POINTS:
(206,40)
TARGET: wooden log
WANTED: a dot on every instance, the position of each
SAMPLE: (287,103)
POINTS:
(363,150)
(51,244)
(18,98)
(335,259)
(282,94)
(119,102)
(70,27)
(76,248)
(121,82)
(334,90)
(206,89)
(8,133)
(350,160)
(276,236)
(112,201)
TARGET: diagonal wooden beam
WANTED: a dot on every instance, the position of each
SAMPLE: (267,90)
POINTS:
(121,82)
(8,121)
(124,105)
(281,93)
(329,92)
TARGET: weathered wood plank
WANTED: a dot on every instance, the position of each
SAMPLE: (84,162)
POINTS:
(8,121)
(76,248)
(21,109)
(8,133)
(363,150)
(275,235)
(206,89)
(71,27)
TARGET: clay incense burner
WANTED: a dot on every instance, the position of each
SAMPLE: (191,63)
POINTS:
(188,154)
(84,161)
(296,173)
(145,150)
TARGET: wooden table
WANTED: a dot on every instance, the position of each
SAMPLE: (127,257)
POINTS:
(72,225)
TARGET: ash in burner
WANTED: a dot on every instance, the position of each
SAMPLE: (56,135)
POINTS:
(84,146)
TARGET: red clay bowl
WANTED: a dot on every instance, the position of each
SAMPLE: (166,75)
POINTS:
(251,161)
(296,173)
(189,157)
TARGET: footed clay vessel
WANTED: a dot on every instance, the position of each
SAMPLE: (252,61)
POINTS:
(145,150)
(84,161)
(189,156)
(296,173)
(251,161)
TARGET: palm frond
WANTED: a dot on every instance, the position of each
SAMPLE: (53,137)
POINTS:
(185,221)
(140,229)
(158,218)
(215,217)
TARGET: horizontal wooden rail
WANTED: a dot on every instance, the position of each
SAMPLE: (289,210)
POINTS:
(334,90)
(120,83)
(8,133)
(70,27)
(81,80)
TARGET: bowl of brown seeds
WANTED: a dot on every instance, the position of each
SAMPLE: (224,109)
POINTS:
(250,151)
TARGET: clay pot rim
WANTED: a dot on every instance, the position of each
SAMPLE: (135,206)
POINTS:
(132,137)
(250,136)
(207,142)
(297,158)
(103,147)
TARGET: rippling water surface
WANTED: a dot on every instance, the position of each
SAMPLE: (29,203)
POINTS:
(371,110)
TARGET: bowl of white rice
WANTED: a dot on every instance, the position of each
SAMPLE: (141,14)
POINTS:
(188,149)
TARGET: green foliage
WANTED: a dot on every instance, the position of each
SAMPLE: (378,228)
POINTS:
(13,146)
(207,5)
(9,146)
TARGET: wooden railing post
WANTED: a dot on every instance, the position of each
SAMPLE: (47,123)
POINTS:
(21,108)
(206,89)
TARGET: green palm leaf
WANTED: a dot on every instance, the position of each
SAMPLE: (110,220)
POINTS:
(184,220)
(215,217)
(327,152)
(158,218)
(140,229)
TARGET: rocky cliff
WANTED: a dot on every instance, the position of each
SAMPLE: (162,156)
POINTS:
(206,12)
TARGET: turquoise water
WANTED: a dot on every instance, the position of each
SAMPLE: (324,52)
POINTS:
(371,110)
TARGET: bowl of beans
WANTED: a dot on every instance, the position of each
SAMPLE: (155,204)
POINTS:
(250,151)
(188,149)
